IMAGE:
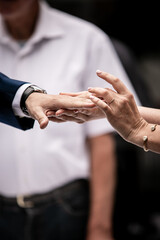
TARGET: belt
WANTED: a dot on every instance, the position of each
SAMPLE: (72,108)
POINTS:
(30,201)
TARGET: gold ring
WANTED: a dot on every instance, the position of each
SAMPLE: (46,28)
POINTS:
(111,101)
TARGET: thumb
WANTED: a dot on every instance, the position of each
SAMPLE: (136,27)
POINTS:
(42,120)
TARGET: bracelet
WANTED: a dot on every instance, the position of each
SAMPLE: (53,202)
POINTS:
(153,127)
(145,138)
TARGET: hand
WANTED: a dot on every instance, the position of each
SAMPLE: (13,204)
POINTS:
(119,106)
(40,106)
(79,115)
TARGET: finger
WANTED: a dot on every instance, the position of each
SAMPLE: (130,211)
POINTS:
(86,111)
(67,112)
(103,93)
(101,104)
(50,113)
(70,94)
(61,111)
(43,122)
(71,115)
(114,81)
(79,103)
(52,117)
(71,119)
(57,120)
(42,119)
(69,102)
(110,90)
(74,116)
(100,92)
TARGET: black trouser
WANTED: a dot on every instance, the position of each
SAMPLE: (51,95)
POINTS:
(59,215)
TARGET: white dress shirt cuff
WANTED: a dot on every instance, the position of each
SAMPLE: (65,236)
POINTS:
(17,99)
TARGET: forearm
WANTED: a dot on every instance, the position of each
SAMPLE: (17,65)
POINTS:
(151,115)
(102,184)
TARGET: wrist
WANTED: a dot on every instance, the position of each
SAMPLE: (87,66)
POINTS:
(136,131)
(138,134)
(28,91)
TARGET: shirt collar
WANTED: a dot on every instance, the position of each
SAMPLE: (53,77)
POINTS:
(47,27)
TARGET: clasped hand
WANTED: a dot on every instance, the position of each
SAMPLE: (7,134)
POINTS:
(44,107)
(117,105)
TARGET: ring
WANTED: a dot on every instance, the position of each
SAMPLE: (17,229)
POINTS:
(111,101)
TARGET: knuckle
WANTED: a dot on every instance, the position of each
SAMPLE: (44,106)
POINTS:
(96,100)
(124,101)
(85,112)
(130,96)
(105,107)
(116,80)
(104,92)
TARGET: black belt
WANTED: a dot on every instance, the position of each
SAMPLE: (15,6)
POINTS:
(30,201)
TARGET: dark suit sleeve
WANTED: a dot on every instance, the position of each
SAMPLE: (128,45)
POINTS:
(8,89)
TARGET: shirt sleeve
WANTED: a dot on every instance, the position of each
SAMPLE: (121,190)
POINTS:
(103,56)
(17,99)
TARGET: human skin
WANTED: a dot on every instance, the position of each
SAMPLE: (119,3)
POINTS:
(131,122)
(151,115)
(102,186)
(15,14)
(38,104)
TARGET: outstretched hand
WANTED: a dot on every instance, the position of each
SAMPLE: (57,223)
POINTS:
(80,115)
(43,107)
(119,106)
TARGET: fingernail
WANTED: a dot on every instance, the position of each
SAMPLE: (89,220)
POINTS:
(98,71)
(89,88)
(91,96)
(76,111)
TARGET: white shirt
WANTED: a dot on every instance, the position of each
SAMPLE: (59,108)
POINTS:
(61,56)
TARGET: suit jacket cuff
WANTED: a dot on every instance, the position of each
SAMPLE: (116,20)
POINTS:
(16,101)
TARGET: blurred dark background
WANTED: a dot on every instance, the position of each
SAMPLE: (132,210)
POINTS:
(133,28)
(134,22)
